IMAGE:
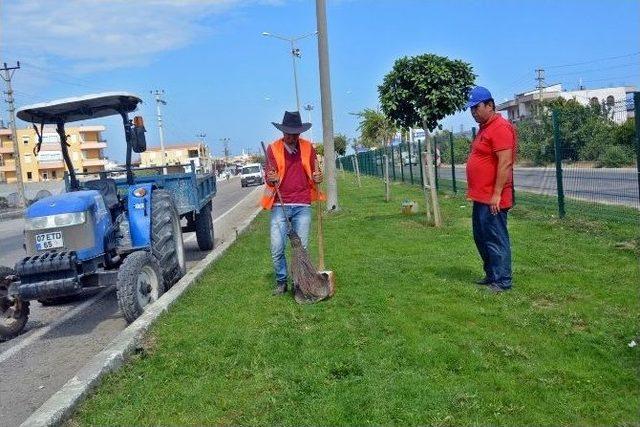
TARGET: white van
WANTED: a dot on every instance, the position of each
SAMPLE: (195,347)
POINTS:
(251,174)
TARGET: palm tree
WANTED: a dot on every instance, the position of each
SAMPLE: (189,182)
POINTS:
(375,128)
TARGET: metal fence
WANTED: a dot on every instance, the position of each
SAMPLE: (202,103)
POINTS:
(568,164)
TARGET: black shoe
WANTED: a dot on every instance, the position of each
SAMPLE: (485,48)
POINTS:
(484,281)
(281,289)
(495,288)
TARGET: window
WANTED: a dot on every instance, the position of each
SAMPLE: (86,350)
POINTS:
(45,176)
(610,101)
(29,176)
(84,170)
(53,175)
(193,153)
(25,140)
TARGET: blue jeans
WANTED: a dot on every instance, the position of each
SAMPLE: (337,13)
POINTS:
(492,240)
(300,217)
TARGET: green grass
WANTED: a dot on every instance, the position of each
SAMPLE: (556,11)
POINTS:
(407,339)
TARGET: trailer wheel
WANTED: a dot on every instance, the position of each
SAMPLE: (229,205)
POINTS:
(166,237)
(139,284)
(14,312)
(204,228)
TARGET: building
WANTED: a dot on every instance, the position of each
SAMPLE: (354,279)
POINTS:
(178,154)
(86,149)
(616,98)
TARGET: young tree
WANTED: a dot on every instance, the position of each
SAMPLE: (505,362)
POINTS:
(420,91)
(340,144)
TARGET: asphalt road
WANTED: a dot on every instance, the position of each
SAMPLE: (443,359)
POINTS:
(600,185)
(59,340)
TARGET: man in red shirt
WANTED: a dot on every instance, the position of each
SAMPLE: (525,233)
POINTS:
(291,168)
(490,187)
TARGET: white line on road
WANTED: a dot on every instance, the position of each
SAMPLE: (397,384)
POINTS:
(40,332)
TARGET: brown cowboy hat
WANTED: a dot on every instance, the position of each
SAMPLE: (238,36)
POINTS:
(292,123)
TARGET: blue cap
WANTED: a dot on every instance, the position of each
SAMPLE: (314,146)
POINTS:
(477,95)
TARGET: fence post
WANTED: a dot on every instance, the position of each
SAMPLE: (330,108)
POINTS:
(401,163)
(636,109)
(410,162)
(558,156)
(393,163)
(420,154)
(453,164)
(356,169)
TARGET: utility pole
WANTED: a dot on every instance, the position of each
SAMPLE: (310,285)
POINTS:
(308,109)
(327,109)
(7,76)
(159,100)
(540,86)
(225,141)
(202,137)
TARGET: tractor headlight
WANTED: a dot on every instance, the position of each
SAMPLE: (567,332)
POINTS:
(54,221)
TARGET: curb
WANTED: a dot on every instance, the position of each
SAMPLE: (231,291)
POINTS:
(62,404)
(11,214)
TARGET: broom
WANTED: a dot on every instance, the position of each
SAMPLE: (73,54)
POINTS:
(309,285)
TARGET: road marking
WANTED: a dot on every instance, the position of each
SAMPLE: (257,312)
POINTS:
(40,332)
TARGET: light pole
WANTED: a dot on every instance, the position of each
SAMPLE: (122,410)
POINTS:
(225,141)
(295,53)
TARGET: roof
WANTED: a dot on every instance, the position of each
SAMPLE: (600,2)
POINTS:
(80,108)
(195,145)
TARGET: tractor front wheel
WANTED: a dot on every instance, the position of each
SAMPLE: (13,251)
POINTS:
(139,284)
(14,312)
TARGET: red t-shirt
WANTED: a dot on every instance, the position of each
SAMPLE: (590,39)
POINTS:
(294,186)
(482,166)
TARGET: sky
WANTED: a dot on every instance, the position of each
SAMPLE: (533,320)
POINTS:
(221,77)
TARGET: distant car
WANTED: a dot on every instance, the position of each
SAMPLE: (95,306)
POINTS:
(251,174)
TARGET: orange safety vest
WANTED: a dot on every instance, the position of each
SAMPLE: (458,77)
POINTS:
(277,148)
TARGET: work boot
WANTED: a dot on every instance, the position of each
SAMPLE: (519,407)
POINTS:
(281,288)
(484,281)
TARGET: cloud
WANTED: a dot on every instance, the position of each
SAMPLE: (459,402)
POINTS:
(92,35)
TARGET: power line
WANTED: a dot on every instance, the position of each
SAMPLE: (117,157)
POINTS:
(593,61)
(595,70)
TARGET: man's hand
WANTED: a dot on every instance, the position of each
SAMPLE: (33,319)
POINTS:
(317,177)
(272,177)
(494,204)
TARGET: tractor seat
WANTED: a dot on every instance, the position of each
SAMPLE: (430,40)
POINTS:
(108,190)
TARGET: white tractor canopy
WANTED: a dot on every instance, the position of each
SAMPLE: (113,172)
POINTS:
(80,108)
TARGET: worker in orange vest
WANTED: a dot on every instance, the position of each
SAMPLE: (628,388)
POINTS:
(291,167)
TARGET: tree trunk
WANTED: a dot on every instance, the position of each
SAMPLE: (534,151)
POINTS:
(437,219)
(425,185)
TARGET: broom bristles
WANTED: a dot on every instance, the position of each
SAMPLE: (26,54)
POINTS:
(310,286)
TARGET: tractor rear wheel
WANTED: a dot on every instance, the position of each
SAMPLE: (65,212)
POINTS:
(166,237)
(139,284)
(14,312)
(204,228)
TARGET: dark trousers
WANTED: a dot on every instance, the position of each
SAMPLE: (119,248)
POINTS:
(492,240)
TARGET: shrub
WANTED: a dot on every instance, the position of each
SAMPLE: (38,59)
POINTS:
(615,156)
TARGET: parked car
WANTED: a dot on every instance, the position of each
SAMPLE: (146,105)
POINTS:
(251,174)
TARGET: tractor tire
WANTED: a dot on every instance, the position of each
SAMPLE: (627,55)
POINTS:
(204,228)
(166,237)
(14,312)
(139,284)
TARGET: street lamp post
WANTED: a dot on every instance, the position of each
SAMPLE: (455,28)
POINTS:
(295,53)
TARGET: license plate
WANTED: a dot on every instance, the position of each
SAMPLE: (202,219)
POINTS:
(51,240)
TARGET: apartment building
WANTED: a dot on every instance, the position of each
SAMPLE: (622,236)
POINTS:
(178,154)
(86,151)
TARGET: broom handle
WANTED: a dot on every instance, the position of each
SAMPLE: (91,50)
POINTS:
(266,158)
(320,233)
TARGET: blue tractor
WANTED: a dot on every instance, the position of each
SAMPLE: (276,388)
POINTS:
(124,231)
